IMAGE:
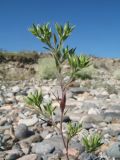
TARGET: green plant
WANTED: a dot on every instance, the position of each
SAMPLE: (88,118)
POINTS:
(37,101)
(72,130)
(54,42)
(92,142)
(46,68)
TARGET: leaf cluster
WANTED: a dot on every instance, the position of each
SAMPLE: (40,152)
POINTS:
(92,142)
(72,130)
(36,100)
(54,42)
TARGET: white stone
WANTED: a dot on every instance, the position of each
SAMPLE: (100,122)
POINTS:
(94,111)
(29,122)
(15,89)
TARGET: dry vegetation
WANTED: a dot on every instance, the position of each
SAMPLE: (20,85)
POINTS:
(24,65)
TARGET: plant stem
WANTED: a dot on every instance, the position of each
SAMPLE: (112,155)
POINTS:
(63,139)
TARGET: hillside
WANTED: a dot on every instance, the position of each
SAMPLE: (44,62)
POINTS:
(92,100)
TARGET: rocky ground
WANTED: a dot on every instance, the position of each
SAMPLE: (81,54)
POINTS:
(94,103)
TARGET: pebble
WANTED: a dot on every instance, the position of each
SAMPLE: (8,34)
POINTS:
(22,131)
(29,121)
(43,148)
(29,157)
(114,150)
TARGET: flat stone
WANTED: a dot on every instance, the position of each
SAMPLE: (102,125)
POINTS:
(22,131)
(114,150)
(43,148)
(55,141)
(25,147)
(2,101)
(13,154)
(87,156)
(3,128)
(78,90)
(92,119)
(94,111)
(87,125)
(75,116)
(113,115)
(88,105)
(28,122)
(32,139)
(15,89)
(29,157)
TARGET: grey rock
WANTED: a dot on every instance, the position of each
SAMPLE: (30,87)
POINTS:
(94,111)
(115,107)
(92,119)
(55,142)
(69,94)
(25,147)
(114,150)
(76,145)
(29,122)
(3,121)
(102,96)
(2,101)
(15,89)
(87,125)
(44,133)
(10,100)
(118,138)
(22,131)
(6,127)
(112,115)
(43,148)
(87,156)
(1,140)
(6,137)
(30,90)
(13,154)
(29,157)
(32,139)
(9,94)
(78,90)
(65,118)
(111,132)
(2,155)
(88,105)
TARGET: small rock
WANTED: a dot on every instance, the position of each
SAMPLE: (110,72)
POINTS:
(43,148)
(22,131)
(2,101)
(25,148)
(92,119)
(87,156)
(114,150)
(9,94)
(13,154)
(15,89)
(87,125)
(32,139)
(29,157)
(88,105)
(29,122)
(72,152)
(78,90)
(94,111)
